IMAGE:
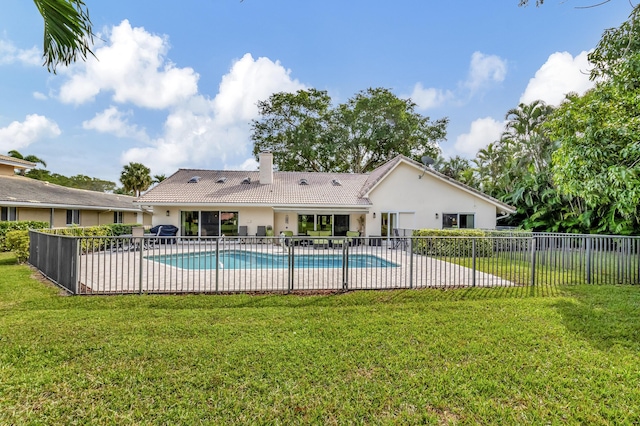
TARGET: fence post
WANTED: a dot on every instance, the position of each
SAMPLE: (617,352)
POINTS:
(588,259)
(76,268)
(345,264)
(533,261)
(291,264)
(140,263)
(473,261)
(411,262)
(217,261)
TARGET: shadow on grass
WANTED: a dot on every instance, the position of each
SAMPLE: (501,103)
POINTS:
(605,316)
(8,259)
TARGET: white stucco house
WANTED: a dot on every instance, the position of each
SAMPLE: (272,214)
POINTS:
(401,193)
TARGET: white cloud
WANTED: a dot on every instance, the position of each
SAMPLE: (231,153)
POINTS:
(39,96)
(485,70)
(430,97)
(115,122)
(35,127)
(483,131)
(202,131)
(10,54)
(133,66)
(250,164)
(561,74)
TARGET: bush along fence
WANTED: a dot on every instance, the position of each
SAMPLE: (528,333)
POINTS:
(149,264)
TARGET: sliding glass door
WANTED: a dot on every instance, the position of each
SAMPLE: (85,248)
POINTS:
(208,223)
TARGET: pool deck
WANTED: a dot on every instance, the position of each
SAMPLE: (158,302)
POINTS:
(130,271)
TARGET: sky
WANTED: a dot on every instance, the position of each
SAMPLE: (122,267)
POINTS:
(175,84)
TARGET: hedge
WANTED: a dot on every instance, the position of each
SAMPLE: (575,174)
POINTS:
(24,225)
(452,242)
(17,241)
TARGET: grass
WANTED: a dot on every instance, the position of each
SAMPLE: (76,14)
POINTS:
(570,355)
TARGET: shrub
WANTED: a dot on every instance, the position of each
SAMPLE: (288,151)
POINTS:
(22,225)
(452,242)
(18,243)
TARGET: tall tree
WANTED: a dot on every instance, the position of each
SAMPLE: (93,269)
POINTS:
(306,133)
(135,177)
(599,155)
(294,127)
(68,33)
(524,131)
(375,125)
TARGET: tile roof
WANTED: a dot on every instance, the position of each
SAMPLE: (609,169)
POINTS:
(20,190)
(285,190)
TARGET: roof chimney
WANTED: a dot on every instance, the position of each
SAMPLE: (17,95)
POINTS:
(266,168)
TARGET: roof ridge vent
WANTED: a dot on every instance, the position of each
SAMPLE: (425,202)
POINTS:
(194,179)
(222,179)
(303,181)
(246,180)
(336,182)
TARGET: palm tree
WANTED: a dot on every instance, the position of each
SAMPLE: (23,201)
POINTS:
(135,177)
(32,158)
(68,32)
(158,178)
(524,129)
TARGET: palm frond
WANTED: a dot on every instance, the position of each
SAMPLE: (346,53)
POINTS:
(68,33)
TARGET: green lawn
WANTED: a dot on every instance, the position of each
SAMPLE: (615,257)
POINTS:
(567,355)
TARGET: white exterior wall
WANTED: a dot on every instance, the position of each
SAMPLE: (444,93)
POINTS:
(403,192)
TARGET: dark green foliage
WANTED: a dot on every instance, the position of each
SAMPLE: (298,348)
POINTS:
(18,243)
(452,243)
(305,133)
(68,33)
(78,181)
(598,160)
(135,178)
(24,225)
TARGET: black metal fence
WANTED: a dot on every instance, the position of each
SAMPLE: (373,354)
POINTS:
(119,265)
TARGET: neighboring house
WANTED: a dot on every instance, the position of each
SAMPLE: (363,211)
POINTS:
(399,194)
(23,198)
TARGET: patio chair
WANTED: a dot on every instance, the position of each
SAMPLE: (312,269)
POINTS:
(262,233)
(398,242)
(242,232)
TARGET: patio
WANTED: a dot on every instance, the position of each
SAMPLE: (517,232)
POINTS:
(132,271)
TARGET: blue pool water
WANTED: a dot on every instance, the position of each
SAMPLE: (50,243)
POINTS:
(240,259)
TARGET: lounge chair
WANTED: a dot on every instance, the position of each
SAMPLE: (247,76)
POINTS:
(242,232)
(398,242)
(261,233)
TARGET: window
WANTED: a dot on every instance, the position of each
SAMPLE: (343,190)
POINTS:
(458,220)
(338,224)
(118,217)
(8,214)
(73,217)
(208,223)
(305,223)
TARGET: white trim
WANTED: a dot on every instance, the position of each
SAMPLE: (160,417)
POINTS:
(66,206)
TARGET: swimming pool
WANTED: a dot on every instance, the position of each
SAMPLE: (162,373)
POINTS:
(242,259)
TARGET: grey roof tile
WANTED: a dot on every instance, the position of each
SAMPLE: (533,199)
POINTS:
(24,190)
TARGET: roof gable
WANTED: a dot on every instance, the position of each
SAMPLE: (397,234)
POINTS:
(382,172)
